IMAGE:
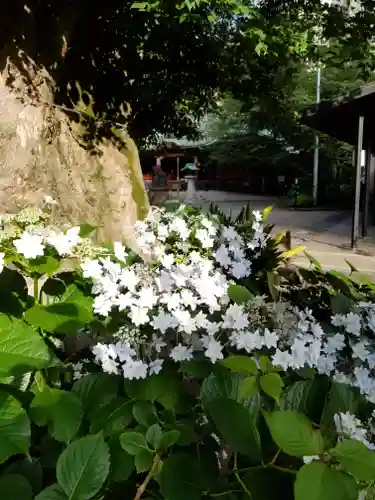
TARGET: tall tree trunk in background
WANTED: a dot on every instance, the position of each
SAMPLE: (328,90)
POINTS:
(40,148)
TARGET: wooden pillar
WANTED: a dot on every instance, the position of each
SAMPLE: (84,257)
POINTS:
(366,195)
(178,176)
(357,196)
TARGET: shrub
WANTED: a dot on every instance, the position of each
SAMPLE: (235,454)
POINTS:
(203,368)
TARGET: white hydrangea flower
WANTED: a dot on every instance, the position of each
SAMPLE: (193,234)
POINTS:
(119,251)
(155,366)
(65,242)
(29,245)
(213,349)
(135,370)
(92,269)
(181,353)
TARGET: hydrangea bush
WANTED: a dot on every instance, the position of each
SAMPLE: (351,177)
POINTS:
(203,366)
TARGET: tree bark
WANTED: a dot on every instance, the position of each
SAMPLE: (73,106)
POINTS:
(41,151)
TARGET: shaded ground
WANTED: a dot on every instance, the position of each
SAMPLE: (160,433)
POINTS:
(325,234)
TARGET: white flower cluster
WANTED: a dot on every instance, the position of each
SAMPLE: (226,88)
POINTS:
(179,301)
(31,244)
(347,354)
(348,425)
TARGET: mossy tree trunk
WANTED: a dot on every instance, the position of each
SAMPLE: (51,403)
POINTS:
(41,148)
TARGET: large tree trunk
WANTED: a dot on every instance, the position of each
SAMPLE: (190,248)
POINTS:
(41,151)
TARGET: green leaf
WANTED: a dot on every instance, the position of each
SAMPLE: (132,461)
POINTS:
(14,427)
(239,294)
(290,253)
(356,459)
(52,291)
(144,413)
(273,281)
(169,438)
(317,481)
(143,461)
(236,426)
(313,261)
(240,364)
(13,292)
(133,442)
(154,435)
(196,368)
(164,388)
(113,418)
(60,410)
(265,364)
(227,386)
(294,434)
(15,486)
(266,213)
(340,399)
(122,464)
(187,434)
(29,468)
(85,230)
(272,385)
(248,387)
(96,390)
(72,312)
(139,5)
(341,304)
(295,396)
(83,467)
(180,478)
(54,492)
(45,264)
(22,349)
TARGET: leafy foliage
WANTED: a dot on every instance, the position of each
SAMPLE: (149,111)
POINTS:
(244,425)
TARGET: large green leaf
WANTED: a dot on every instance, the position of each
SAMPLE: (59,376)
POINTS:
(72,312)
(45,264)
(272,385)
(60,410)
(144,413)
(83,467)
(122,463)
(356,459)
(236,426)
(31,469)
(241,364)
(295,396)
(227,385)
(15,486)
(294,434)
(96,390)
(180,478)
(143,461)
(14,427)
(164,388)
(113,418)
(133,442)
(239,294)
(317,481)
(54,492)
(13,292)
(340,399)
(21,348)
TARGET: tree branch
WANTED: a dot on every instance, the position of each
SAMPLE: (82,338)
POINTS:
(141,489)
